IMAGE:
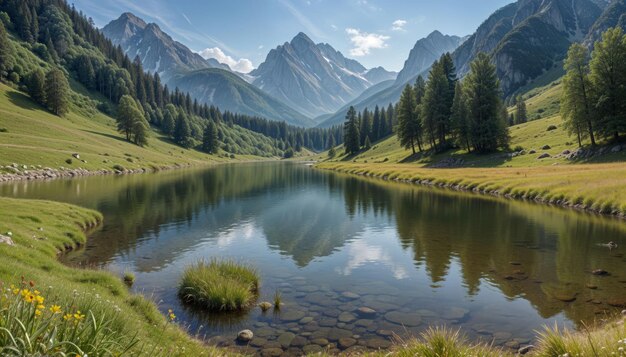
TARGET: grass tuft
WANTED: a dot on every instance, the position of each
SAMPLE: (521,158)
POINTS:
(219,285)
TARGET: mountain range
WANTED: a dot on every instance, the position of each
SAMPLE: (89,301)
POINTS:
(314,78)
(525,39)
(308,84)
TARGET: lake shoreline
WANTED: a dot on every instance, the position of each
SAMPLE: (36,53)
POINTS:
(471,188)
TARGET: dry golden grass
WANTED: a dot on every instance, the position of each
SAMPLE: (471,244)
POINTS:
(596,187)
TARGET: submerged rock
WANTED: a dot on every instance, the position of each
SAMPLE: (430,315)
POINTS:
(366,312)
(346,342)
(410,319)
(524,350)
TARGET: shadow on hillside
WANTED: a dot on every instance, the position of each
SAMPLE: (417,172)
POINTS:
(110,136)
(21,100)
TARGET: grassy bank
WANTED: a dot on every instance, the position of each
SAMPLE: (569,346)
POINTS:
(598,187)
(41,230)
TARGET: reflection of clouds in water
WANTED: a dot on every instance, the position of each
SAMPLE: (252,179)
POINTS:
(242,232)
(361,253)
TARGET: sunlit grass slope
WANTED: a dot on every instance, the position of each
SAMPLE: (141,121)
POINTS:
(30,135)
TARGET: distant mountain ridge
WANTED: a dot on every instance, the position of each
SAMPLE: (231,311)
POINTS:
(424,53)
(525,40)
(157,50)
(208,81)
(314,78)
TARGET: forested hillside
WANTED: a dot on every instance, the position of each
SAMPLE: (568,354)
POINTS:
(55,54)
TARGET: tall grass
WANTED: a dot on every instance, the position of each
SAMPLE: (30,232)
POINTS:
(443,342)
(33,323)
(609,340)
(219,285)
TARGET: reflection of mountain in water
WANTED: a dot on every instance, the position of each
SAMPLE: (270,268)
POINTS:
(541,254)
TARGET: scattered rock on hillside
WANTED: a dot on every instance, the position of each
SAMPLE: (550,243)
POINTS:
(6,240)
(551,127)
(532,152)
(546,147)
(543,156)
(616,148)
(76,156)
(600,272)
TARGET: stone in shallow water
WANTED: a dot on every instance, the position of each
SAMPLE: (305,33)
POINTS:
(366,312)
(285,339)
(299,341)
(244,336)
(327,322)
(331,312)
(336,333)
(385,333)
(617,302)
(310,349)
(319,298)
(364,322)
(271,352)
(410,319)
(346,317)
(378,343)
(348,295)
(346,342)
(455,313)
(265,332)
(258,342)
(308,288)
(305,320)
(292,315)
(320,341)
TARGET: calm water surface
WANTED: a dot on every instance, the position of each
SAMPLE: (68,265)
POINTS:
(498,270)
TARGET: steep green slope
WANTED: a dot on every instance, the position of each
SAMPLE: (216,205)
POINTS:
(30,135)
(230,92)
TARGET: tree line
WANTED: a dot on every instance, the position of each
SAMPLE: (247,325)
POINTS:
(445,112)
(66,38)
(593,102)
(362,129)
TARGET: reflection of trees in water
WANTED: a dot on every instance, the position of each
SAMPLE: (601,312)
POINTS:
(556,249)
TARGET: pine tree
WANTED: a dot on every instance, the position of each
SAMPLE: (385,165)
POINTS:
(521,114)
(182,131)
(7,59)
(34,26)
(351,132)
(368,143)
(576,98)
(376,127)
(409,128)
(459,118)
(331,147)
(487,129)
(435,107)
(366,126)
(209,138)
(169,119)
(36,86)
(57,91)
(608,75)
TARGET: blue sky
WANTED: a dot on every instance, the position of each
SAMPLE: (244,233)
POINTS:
(241,32)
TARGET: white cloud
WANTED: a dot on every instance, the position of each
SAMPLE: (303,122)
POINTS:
(398,25)
(363,42)
(242,65)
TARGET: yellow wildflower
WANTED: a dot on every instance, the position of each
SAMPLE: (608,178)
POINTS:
(78,316)
(29,298)
(25,292)
(55,309)
(40,299)
(171,314)
(67,317)
(15,289)
(37,312)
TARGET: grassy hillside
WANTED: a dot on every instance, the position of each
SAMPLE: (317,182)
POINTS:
(30,135)
(42,229)
(519,173)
